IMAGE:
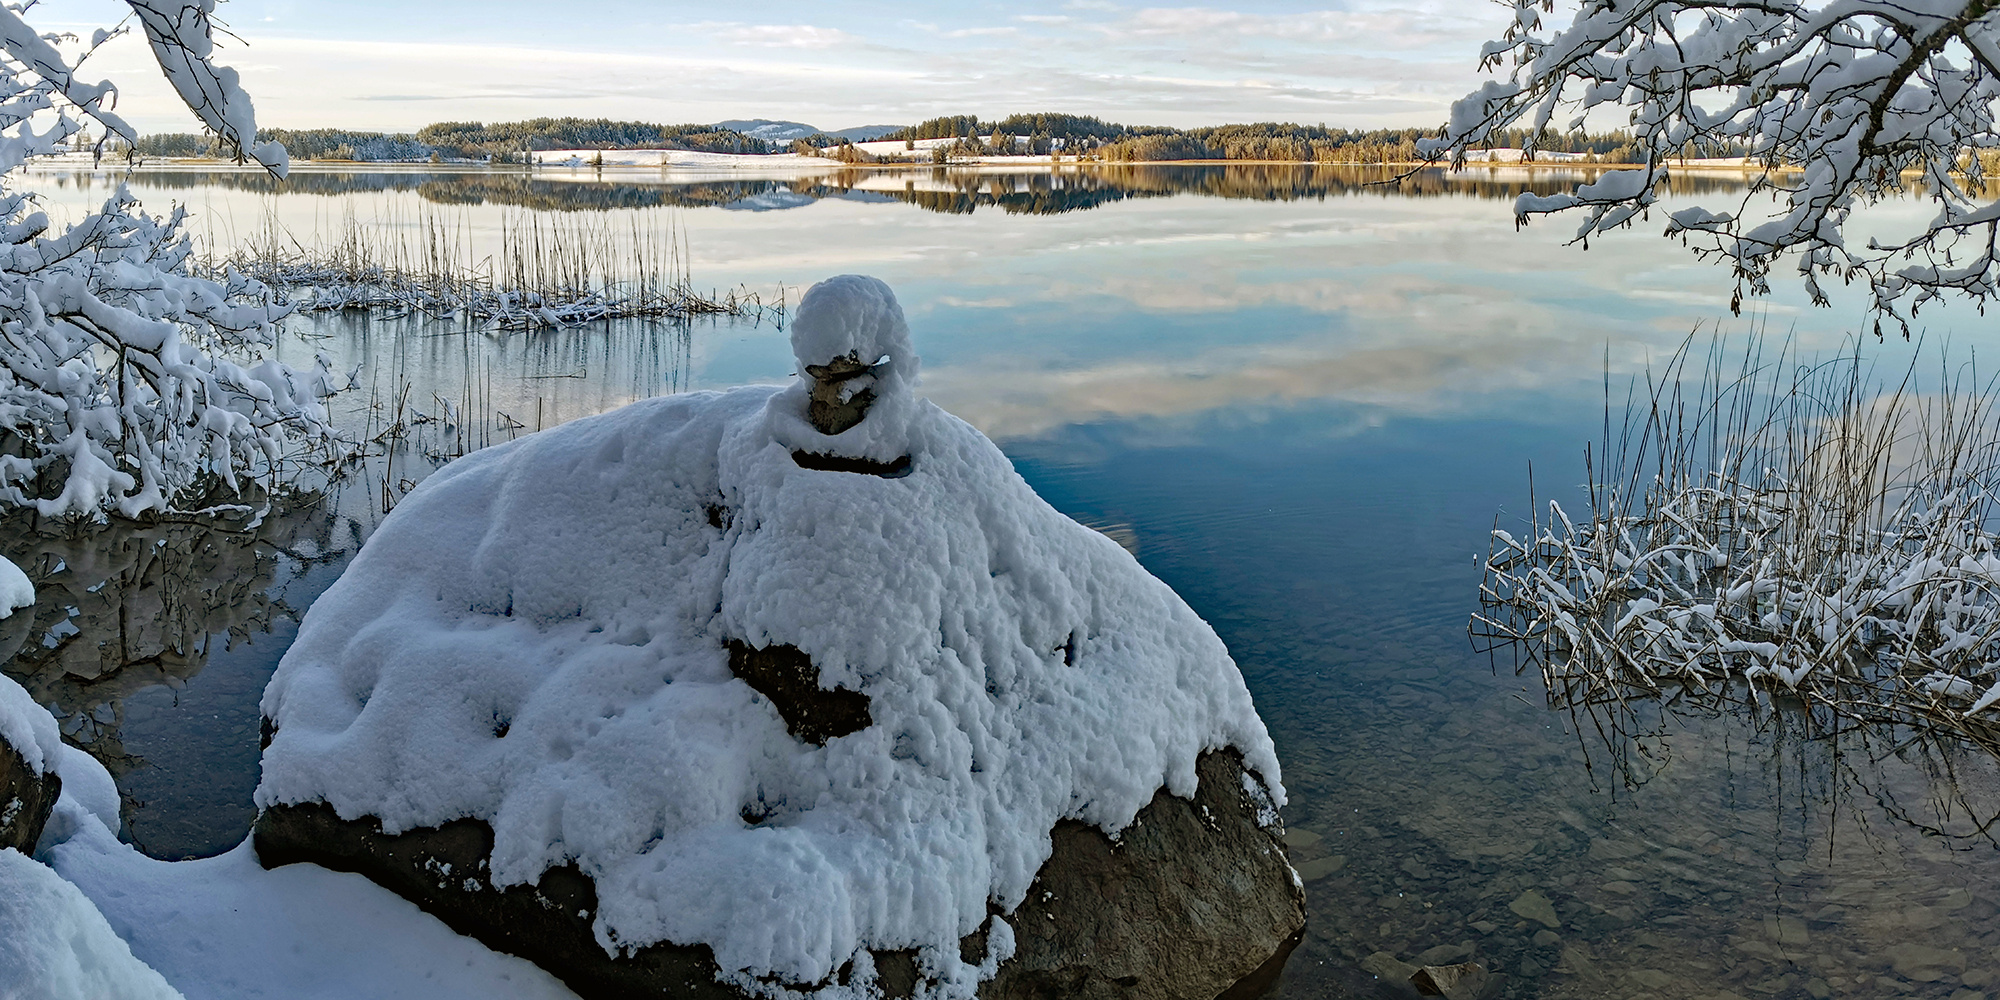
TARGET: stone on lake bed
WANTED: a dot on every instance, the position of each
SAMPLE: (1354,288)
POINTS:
(1444,954)
(649,700)
(1466,981)
(1319,868)
(1653,979)
(1384,965)
(1602,849)
(1923,963)
(1532,905)
(1299,838)
(1787,931)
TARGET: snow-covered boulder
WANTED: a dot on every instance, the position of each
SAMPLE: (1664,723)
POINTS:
(30,744)
(710,696)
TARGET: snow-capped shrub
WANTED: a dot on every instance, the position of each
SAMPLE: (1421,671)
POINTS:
(1793,526)
(126,380)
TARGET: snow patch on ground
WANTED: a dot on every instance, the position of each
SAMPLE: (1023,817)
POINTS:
(678,158)
(223,928)
(55,945)
(100,920)
(535,638)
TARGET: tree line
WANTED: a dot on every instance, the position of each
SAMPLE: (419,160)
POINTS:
(1021,134)
(503,142)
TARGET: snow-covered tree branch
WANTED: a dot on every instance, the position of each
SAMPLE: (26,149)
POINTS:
(1838,102)
(125,379)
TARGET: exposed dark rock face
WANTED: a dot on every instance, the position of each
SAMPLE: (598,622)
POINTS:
(1192,899)
(443,871)
(829,412)
(25,800)
(860,466)
(788,677)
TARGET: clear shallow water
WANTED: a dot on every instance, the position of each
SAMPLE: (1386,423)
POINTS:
(1302,401)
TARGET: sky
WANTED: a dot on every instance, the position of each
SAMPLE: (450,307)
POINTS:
(396,66)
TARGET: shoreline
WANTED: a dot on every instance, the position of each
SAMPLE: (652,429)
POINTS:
(732,163)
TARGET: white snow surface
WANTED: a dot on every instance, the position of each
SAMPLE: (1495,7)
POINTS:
(58,946)
(567,590)
(28,728)
(15,590)
(223,928)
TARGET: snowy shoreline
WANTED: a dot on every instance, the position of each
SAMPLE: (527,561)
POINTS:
(626,162)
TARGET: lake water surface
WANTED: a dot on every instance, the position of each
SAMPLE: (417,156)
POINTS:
(1300,398)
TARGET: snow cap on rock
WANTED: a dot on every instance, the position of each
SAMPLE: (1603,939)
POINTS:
(855,396)
(853,315)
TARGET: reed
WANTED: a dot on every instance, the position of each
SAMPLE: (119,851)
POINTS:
(548,270)
(1759,526)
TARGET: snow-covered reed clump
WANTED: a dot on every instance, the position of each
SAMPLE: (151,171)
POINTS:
(547,271)
(559,636)
(1793,525)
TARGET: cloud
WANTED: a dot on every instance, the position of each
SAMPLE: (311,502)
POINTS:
(1374,63)
(786,36)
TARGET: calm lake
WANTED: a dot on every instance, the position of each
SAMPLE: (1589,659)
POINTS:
(1300,397)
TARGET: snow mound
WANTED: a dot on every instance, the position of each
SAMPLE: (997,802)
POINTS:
(226,929)
(15,590)
(58,946)
(536,638)
(28,728)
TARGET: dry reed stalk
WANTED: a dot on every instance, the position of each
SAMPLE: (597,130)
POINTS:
(551,270)
(1800,527)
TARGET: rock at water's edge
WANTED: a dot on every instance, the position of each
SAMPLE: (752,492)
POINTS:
(1192,898)
(25,800)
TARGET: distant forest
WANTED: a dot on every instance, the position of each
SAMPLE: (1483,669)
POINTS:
(503,142)
(1027,134)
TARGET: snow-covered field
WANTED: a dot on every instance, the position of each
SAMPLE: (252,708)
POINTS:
(678,158)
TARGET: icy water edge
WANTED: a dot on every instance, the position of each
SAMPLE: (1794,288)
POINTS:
(1301,400)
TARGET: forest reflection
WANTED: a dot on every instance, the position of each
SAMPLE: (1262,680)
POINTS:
(947,190)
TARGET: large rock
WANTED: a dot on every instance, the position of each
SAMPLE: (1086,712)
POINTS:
(26,796)
(1195,897)
(828,696)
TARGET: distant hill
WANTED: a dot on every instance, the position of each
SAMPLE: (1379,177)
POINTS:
(866,133)
(768,130)
(783,131)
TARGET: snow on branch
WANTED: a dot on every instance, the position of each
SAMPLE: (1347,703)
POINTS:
(1837,102)
(181,33)
(128,383)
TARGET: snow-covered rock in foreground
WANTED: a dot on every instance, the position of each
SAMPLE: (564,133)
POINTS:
(58,947)
(783,703)
(223,928)
(30,743)
(15,590)
(54,944)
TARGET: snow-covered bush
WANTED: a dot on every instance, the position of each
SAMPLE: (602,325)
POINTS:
(1851,93)
(125,380)
(1797,527)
